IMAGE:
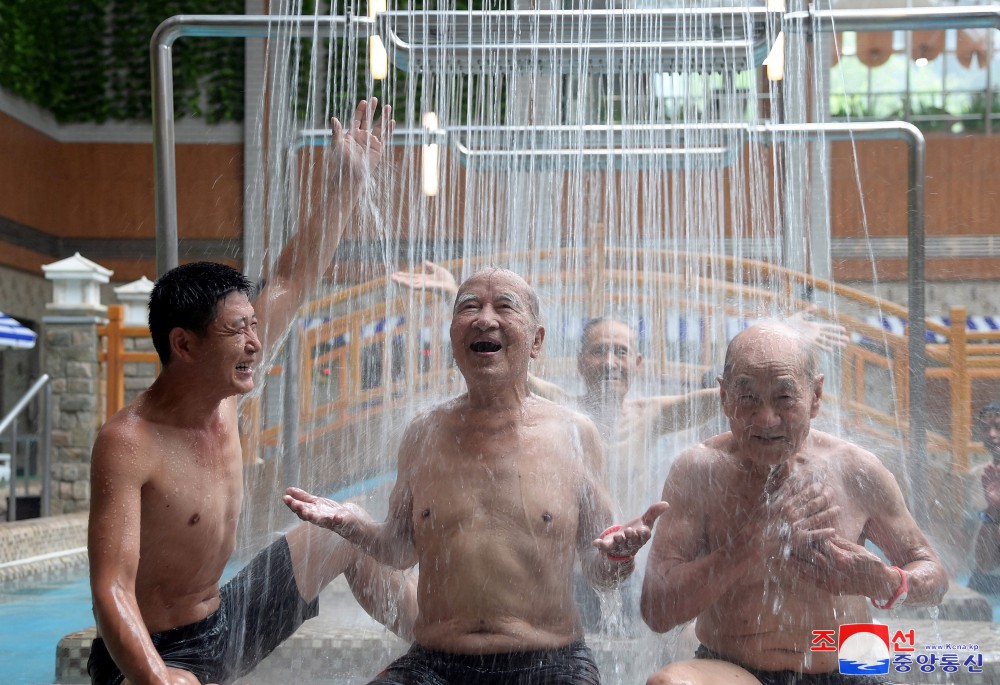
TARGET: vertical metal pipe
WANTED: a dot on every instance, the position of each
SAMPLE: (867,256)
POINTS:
(290,409)
(910,19)
(917,341)
(46,447)
(164,161)
(222,25)
(253,157)
(12,499)
(917,329)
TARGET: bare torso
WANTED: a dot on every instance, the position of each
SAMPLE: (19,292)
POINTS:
(190,505)
(496,505)
(766,620)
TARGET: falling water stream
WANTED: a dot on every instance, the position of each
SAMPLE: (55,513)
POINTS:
(563,167)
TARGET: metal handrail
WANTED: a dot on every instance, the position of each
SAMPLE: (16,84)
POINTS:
(8,421)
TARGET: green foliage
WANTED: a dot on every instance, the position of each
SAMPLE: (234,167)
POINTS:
(978,107)
(88,60)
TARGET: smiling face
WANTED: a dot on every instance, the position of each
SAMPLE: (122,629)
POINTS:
(495,330)
(770,394)
(230,346)
(607,359)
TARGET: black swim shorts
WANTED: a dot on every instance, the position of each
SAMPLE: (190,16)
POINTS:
(570,665)
(260,607)
(795,677)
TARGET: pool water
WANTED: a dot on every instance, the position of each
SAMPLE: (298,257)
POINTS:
(35,615)
(33,618)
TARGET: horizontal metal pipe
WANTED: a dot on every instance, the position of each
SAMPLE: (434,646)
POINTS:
(892,19)
(254,26)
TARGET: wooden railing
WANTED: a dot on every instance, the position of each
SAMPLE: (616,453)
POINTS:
(361,350)
(117,347)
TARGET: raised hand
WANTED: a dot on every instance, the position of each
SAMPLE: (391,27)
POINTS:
(825,336)
(434,278)
(357,150)
(347,520)
(795,518)
(806,516)
(620,543)
(841,567)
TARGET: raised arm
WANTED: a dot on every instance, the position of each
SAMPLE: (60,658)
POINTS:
(825,336)
(672,413)
(347,167)
(607,552)
(383,541)
(117,478)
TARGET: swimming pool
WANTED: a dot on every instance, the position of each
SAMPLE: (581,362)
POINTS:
(33,618)
(35,615)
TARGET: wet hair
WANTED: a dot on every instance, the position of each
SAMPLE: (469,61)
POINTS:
(807,351)
(188,297)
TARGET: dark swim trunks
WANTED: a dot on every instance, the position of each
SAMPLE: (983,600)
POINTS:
(795,677)
(260,607)
(570,665)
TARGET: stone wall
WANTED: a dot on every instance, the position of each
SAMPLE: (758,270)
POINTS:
(71,346)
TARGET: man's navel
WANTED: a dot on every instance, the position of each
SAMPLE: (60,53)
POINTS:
(194,519)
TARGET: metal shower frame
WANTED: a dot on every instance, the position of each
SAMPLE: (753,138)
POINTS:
(796,22)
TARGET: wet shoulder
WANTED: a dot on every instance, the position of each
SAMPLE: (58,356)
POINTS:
(702,465)
(838,452)
(861,472)
(129,430)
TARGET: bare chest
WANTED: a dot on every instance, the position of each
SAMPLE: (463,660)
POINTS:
(529,482)
(197,490)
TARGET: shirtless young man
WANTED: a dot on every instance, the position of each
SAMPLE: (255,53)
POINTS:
(763,542)
(167,476)
(498,491)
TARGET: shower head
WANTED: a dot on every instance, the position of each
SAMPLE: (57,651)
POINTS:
(578,41)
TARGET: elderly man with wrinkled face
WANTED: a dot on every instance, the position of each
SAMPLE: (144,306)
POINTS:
(498,493)
(764,539)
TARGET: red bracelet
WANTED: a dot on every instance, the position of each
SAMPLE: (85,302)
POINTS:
(899,596)
(614,557)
